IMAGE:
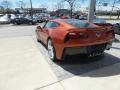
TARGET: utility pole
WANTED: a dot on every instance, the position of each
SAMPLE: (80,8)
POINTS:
(92,9)
(31,9)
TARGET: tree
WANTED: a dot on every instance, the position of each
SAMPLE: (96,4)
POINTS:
(21,4)
(71,4)
(115,2)
(118,12)
(1,7)
(99,4)
(79,4)
(59,5)
(6,5)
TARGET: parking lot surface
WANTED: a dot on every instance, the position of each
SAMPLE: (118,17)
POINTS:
(25,65)
(22,66)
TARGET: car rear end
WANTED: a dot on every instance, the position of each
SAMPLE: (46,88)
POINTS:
(91,41)
(116,28)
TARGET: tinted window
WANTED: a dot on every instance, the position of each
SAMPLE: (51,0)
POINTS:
(48,24)
(51,25)
(54,24)
(78,23)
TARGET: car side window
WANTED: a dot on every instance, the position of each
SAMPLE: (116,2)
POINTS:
(54,24)
(47,25)
(51,25)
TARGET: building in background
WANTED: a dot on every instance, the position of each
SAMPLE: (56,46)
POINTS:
(34,10)
(62,11)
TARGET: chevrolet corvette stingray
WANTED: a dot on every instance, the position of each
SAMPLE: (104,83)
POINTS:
(71,37)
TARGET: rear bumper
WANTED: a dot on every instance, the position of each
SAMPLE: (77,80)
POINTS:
(87,49)
(80,47)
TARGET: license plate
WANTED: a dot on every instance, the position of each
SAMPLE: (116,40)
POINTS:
(95,48)
(91,49)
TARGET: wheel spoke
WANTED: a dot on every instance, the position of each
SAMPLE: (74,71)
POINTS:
(50,50)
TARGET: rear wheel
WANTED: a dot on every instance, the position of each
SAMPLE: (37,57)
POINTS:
(51,50)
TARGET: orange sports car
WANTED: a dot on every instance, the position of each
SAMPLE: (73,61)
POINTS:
(71,36)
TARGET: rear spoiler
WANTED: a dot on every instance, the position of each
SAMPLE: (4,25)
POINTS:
(103,24)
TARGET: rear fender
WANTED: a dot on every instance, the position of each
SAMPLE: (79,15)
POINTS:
(103,24)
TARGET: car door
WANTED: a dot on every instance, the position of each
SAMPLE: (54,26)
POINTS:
(45,32)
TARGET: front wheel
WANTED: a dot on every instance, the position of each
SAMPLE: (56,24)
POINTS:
(51,50)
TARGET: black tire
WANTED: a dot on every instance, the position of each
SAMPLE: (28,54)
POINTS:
(30,23)
(33,23)
(51,50)
(18,23)
(14,23)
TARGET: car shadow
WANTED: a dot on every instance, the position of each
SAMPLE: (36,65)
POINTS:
(78,65)
(81,65)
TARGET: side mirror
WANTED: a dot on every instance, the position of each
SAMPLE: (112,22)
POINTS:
(39,27)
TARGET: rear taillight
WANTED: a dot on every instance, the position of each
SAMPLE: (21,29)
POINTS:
(110,32)
(75,36)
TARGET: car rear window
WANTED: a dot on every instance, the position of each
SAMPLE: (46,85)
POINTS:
(78,23)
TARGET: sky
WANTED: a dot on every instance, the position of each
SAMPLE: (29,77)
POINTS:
(52,4)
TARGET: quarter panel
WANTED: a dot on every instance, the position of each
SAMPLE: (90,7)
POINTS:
(58,35)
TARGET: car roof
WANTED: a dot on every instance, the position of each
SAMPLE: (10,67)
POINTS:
(71,22)
(67,20)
